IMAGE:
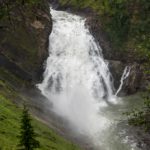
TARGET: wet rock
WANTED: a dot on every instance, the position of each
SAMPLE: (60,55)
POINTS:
(136,135)
(116,69)
(133,83)
(118,59)
(94,24)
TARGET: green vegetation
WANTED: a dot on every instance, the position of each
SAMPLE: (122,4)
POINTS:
(141,117)
(27,134)
(23,44)
(125,21)
(10,116)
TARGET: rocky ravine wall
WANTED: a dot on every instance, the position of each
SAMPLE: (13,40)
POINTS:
(118,60)
(23,49)
(24,42)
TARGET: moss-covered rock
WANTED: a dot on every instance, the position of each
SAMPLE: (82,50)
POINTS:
(24,40)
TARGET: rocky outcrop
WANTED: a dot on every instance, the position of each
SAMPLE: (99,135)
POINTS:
(135,80)
(118,59)
(24,41)
(116,69)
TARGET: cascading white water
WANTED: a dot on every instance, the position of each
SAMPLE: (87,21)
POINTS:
(125,75)
(77,79)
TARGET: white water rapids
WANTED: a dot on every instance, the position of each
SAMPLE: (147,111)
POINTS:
(77,79)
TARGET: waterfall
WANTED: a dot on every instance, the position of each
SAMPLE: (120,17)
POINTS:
(125,75)
(77,79)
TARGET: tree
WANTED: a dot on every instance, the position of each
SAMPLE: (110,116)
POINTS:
(27,138)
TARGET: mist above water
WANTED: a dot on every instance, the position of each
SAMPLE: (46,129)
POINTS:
(77,79)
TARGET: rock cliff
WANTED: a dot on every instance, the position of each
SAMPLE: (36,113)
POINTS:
(24,42)
(117,58)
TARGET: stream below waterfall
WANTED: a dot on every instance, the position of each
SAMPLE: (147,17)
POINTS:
(78,83)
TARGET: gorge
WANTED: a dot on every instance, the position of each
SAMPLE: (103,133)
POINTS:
(79,66)
(78,83)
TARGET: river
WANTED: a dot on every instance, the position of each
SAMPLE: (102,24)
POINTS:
(79,84)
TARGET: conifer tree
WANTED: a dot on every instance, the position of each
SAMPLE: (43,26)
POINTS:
(27,138)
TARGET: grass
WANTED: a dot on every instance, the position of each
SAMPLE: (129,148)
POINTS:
(21,45)
(10,115)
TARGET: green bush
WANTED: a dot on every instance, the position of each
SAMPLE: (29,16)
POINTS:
(141,117)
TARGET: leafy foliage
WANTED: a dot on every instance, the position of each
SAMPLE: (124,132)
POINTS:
(27,134)
(141,117)
(126,22)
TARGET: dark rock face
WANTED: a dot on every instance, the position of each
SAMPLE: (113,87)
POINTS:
(94,26)
(24,41)
(118,60)
(134,81)
(136,135)
(14,69)
(54,3)
(116,69)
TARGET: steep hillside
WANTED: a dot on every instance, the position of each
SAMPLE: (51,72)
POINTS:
(24,35)
(10,122)
(24,32)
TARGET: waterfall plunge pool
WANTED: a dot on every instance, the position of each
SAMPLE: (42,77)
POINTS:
(78,83)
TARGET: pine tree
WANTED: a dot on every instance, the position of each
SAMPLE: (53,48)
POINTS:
(27,138)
